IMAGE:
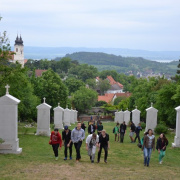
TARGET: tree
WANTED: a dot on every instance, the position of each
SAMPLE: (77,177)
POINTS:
(73,84)
(103,85)
(118,100)
(91,83)
(84,99)
(50,86)
(64,64)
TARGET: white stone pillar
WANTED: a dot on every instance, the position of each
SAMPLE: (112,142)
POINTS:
(66,119)
(121,117)
(9,124)
(72,116)
(136,116)
(58,117)
(43,119)
(151,118)
(177,137)
(127,116)
(75,116)
(116,117)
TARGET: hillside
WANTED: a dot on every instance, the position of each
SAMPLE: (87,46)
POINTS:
(127,65)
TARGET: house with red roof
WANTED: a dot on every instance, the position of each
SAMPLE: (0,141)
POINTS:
(116,87)
(109,98)
(38,72)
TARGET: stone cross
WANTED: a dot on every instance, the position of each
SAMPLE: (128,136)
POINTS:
(7,88)
(58,104)
(136,107)
(44,100)
(151,104)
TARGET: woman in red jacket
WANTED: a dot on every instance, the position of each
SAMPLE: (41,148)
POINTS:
(55,141)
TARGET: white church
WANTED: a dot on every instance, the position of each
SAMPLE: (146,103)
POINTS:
(19,51)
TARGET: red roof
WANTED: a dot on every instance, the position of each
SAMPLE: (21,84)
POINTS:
(39,72)
(107,98)
(126,94)
(111,80)
(25,61)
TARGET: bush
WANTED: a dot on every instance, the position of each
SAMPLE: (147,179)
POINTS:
(143,125)
(100,103)
(161,128)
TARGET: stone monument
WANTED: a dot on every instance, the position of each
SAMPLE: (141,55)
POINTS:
(136,116)
(177,137)
(75,115)
(127,116)
(151,118)
(72,116)
(58,117)
(67,114)
(9,124)
(43,119)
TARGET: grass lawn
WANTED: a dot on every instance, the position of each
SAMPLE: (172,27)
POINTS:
(125,161)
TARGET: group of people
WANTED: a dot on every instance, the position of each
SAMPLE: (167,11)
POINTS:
(76,137)
(101,141)
(120,130)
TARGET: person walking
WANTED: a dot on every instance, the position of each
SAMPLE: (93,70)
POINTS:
(103,143)
(132,130)
(162,143)
(137,131)
(116,131)
(99,128)
(148,145)
(91,127)
(77,136)
(55,141)
(122,131)
(91,143)
(66,137)
(83,126)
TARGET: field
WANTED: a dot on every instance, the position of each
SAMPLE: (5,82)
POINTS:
(125,161)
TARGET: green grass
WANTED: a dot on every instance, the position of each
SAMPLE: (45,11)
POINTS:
(125,161)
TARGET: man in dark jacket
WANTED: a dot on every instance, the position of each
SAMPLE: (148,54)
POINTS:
(122,131)
(91,128)
(66,137)
(137,131)
(103,143)
(132,130)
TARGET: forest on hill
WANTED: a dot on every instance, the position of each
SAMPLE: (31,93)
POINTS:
(126,65)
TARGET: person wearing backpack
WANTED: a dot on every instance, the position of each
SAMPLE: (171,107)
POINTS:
(116,131)
(137,131)
(162,142)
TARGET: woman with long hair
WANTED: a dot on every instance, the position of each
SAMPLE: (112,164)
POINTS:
(162,142)
(148,145)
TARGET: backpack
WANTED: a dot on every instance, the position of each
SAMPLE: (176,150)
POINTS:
(114,130)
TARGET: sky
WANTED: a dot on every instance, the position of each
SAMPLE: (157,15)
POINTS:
(134,24)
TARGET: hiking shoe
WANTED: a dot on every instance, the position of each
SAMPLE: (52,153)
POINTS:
(65,158)
(56,158)
(105,161)
(70,158)
(160,162)
(92,161)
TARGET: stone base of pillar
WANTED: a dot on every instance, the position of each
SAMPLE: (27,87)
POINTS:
(10,147)
(176,142)
(43,132)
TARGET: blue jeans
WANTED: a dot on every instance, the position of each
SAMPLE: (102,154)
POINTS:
(147,155)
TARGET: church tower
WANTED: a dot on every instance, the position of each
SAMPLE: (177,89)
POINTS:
(19,50)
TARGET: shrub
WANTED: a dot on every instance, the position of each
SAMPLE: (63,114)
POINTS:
(161,128)
(143,125)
